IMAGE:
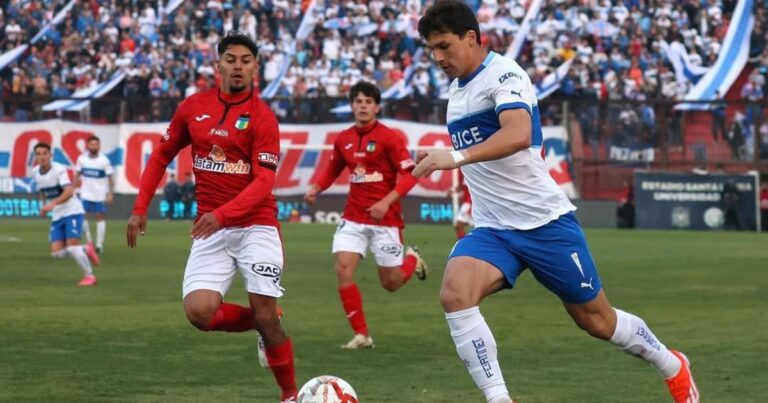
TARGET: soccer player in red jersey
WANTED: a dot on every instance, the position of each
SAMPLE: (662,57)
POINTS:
(464,215)
(235,151)
(375,155)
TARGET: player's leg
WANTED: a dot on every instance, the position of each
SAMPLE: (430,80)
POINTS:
(477,267)
(72,231)
(207,277)
(349,246)
(258,251)
(460,228)
(101,227)
(463,219)
(559,258)
(395,268)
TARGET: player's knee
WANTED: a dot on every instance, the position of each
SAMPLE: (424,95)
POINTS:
(452,300)
(59,254)
(391,285)
(200,316)
(265,318)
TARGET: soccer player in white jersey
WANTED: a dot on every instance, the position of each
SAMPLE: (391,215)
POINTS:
(94,172)
(57,194)
(522,219)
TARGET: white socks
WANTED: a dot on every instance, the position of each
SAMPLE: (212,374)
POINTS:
(477,349)
(101,229)
(634,337)
(87,229)
(78,253)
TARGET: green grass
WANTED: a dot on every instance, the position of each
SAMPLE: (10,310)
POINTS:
(126,340)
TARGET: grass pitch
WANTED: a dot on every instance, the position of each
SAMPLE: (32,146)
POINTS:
(126,340)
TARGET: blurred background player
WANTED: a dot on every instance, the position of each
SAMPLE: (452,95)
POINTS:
(522,218)
(188,194)
(235,151)
(374,155)
(58,194)
(171,193)
(94,173)
(463,217)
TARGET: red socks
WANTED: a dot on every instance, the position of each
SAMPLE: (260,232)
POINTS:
(409,265)
(232,318)
(280,361)
(352,302)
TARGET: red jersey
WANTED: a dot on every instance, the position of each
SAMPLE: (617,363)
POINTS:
(235,150)
(465,196)
(374,156)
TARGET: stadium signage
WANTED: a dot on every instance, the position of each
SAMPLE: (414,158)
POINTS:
(304,150)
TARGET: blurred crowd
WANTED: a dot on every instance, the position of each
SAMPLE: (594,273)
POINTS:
(616,45)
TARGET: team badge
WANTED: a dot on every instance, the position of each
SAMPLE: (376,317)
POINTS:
(371,147)
(242,122)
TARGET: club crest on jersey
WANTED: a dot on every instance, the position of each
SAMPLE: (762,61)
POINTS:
(371,147)
(242,122)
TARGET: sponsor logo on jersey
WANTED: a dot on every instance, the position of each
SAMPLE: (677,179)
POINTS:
(509,75)
(242,122)
(218,132)
(216,162)
(267,270)
(467,137)
(358,155)
(371,147)
(392,249)
(360,175)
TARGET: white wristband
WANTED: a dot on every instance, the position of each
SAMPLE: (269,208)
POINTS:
(457,157)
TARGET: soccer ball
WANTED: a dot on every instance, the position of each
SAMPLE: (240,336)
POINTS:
(327,389)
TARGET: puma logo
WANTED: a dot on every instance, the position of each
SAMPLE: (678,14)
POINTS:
(217,154)
(518,93)
(587,285)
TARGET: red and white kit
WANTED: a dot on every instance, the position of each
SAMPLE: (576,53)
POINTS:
(235,151)
(374,155)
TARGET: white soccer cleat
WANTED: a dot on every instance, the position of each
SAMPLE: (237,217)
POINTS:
(360,341)
(421,265)
(262,353)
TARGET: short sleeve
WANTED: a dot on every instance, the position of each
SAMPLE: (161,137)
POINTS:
(513,91)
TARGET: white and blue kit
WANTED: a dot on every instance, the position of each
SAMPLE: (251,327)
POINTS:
(67,220)
(522,218)
(94,174)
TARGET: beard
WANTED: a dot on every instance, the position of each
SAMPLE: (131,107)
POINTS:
(234,89)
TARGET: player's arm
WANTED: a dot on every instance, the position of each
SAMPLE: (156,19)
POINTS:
(265,154)
(78,173)
(175,138)
(328,176)
(400,158)
(111,182)
(513,136)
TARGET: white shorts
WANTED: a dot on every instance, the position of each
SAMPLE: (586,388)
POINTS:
(257,251)
(385,242)
(464,214)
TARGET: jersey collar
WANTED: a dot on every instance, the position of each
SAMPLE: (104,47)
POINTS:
(465,81)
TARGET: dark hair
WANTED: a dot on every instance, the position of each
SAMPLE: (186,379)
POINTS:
(449,16)
(93,138)
(237,38)
(368,89)
(42,145)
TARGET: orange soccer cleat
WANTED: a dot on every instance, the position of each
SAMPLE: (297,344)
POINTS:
(681,386)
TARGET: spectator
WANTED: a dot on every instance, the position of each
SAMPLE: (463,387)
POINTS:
(729,203)
(764,205)
(718,118)
(188,195)
(171,192)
